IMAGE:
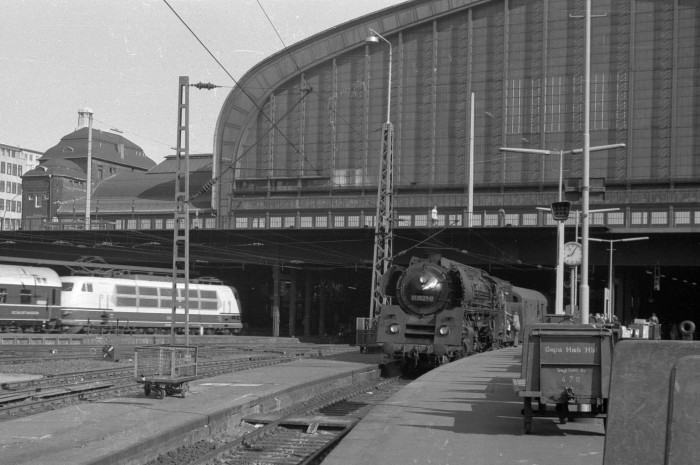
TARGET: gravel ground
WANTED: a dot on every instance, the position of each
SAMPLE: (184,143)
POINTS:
(60,367)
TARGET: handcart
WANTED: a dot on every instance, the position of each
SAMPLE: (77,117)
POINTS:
(366,334)
(165,370)
(567,367)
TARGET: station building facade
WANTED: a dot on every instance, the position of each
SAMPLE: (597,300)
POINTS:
(298,141)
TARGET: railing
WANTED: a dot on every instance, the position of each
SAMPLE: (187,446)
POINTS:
(687,218)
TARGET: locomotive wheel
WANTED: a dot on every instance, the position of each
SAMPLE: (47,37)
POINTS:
(159,393)
(185,389)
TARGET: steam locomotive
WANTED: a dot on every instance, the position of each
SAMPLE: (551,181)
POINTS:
(445,310)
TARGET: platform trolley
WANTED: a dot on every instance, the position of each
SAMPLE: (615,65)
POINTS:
(567,367)
(366,334)
(165,370)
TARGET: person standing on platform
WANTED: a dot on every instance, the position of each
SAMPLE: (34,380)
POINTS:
(516,328)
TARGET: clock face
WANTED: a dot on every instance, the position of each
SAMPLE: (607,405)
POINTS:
(572,253)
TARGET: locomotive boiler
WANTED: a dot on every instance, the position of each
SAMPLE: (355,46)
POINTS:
(441,310)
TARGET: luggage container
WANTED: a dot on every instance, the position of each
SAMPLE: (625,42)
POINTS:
(165,370)
(567,367)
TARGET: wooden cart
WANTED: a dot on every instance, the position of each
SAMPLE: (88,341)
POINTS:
(567,367)
(165,370)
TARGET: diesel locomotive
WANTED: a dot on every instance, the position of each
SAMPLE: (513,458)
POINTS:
(441,310)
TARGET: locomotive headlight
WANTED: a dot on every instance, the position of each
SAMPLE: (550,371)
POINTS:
(394,328)
(444,330)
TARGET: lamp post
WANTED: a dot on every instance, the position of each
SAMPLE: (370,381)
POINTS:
(610,310)
(559,298)
(373,38)
(383,230)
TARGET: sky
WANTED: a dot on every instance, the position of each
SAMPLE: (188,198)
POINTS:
(123,59)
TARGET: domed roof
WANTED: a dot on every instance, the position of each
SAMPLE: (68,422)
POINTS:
(106,146)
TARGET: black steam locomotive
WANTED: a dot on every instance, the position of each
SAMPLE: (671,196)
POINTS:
(442,310)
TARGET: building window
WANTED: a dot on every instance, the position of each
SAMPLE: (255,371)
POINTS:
(131,224)
(491,219)
(421,220)
(321,221)
(369,221)
(512,219)
(119,224)
(659,217)
(258,222)
(145,223)
(275,222)
(2,186)
(170,223)
(158,223)
(639,218)
(404,221)
(2,167)
(616,218)
(354,221)
(338,221)
(597,218)
(289,221)
(210,223)
(697,218)
(682,217)
(306,222)
(455,220)
(241,223)
(530,219)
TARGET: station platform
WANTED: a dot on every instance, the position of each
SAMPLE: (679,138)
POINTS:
(119,431)
(467,412)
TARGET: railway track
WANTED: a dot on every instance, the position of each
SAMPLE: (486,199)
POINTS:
(301,434)
(23,398)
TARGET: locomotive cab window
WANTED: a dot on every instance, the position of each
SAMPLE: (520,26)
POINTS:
(87,287)
(66,287)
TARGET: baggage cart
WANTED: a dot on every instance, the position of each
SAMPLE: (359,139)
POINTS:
(165,370)
(568,367)
(366,334)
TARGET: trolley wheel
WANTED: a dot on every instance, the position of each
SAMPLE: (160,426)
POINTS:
(160,393)
(147,389)
(185,389)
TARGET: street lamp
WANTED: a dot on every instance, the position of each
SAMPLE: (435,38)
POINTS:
(373,38)
(610,310)
(560,225)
